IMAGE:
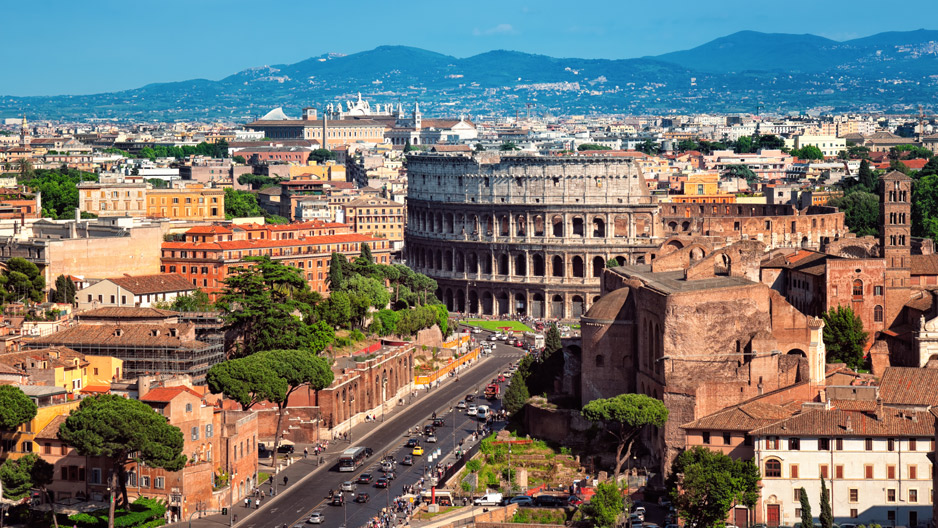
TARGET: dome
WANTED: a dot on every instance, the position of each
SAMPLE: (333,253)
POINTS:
(616,305)
(275,115)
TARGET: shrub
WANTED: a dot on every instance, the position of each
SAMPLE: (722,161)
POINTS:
(473,465)
(356,335)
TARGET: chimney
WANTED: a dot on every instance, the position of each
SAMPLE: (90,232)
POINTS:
(880,413)
(849,425)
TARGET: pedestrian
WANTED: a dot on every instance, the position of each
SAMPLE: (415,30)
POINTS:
(235,518)
(305,452)
(247,502)
(257,504)
(284,480)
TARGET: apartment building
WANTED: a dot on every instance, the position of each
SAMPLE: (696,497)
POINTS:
(113,199)
(379,217)
(193,201)
(141,291)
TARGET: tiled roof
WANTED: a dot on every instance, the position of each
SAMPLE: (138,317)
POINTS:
(837,422)
(909,386)
(124,335)
(268,243)
(96,389)
(51,430)
(148,284)
(854,405)
(209,230)
(743,417)
(127,312)
(924,264)
(166,394)
(56,356)
(337,123)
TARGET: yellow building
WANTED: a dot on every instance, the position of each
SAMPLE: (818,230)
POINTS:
(65,368)
(379,217)
(192,202)
(51,402)
(702,188)
(328,172)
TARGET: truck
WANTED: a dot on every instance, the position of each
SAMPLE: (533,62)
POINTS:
(489,499)
(534,340)
(491,391)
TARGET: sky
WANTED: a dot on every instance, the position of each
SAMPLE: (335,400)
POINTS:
(66,47)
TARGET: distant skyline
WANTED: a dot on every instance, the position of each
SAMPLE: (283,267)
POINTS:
(108,45)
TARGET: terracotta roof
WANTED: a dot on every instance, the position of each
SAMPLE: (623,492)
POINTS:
(127,312)
(124,335)
(209,230)
(854,405)
(268,243)
(836,422)
(909,386)
(924,264)
(96,389)
(148,284)
(450,148)
(51,430)
(166,394)
(56,356)
(743,417)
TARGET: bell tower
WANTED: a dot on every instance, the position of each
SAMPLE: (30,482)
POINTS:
(895,218)
(24,133)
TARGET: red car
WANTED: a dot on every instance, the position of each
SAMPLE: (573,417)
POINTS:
(501,378)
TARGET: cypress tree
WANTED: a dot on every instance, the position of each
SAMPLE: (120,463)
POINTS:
(807,520)
(827,517)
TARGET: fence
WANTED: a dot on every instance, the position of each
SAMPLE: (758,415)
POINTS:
(449,367)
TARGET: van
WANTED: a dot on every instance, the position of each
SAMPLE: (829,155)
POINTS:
(489,499)
(482,412)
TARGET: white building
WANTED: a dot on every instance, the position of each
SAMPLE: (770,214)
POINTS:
(140,291)
(830,146)
(875,460)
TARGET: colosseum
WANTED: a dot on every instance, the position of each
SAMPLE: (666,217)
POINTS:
(528,234)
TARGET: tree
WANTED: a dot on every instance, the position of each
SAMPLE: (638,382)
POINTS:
(197,301)
(741,171)
(592,146)
(925,206)
(15,408)
(861,212)
(769,142)
(826,517)
(509,146)
(241,204)
(64,291)
(605,505)
(157,183)
(408,147)
(321,155)
(366,254)
(516,395)
(844,337)
(116,428)
(866,176)
(625,416)
(552,340)
(648,146)
(705,484)
(248,380)
(257,181)
(479,147)
(808,152)
(239,159)
(744,145)
(807,520)
(27,473)
(23,281)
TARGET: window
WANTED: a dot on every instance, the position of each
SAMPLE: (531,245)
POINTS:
(824,444)
(838,471)
(773,468)
(144,481)
(869,444)
(798,512)
(188,407)
(95,475)
(891,515)
(913,495)
(858,288)
(824,471)
(113,300)
(797,494)
(891,472)
(839,444)
(878,314)
(706,437)
(890,495)
(913,472)
(159,483)
(891,444)
(854,495)
(195,432)
(793,471)
(727,438)
(208,431)
(772,442)
(868,471)
(878,290)
(854,513)
(912,444)
(794,444)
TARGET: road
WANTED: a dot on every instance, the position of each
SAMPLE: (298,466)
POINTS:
(293,505)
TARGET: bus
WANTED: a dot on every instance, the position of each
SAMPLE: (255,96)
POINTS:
(351,459)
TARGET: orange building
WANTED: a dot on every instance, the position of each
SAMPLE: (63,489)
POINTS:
(192,202)
(207,253)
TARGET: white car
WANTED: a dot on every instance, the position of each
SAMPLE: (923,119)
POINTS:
(430,439)
(315,518)
(461,404)
(477,330)
(494,337)
(348,485)
(472,410)
(503,337)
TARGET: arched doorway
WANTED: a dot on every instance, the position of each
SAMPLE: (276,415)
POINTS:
(537,306)
(521,304)
(556,307)
(599,264)
(577,307)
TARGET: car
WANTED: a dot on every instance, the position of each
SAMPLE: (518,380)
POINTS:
(549,501)
(503,337)
(470,397)
(368,452)
(507,374)
(461,404)
(521,500)
(477,330)
(413,442)
(390,475)
(639,510)
(364,478)
(472,410)
(408,460)
(431,439)
(348,485)
(635,520)
(428,429)
(653,525)
(489,499)
(439,422)
(381,482)
(285,449)
(494,337)
(501,378)
(519,344)
(417,451)
(573,500)
(671,526)
(362,498)
(315,518)
(337,500)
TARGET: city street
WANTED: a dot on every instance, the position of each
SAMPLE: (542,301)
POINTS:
(308,485)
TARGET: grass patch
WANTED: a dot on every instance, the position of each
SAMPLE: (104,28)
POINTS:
(533,516)
(423,516)
(262,477)
(495,326)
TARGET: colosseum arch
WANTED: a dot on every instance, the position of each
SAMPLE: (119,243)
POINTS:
(722,264)
(504,226)
(537,305)
(504,304)
(460,301)
(521,265)
(489,225)
(448,224)
(438,223)
(538,225)
(448,261)
(672,226)
(472,263)
(485,262)
(475,224)
(537,265)
(685,225)
(697,252)
(578,228)
(448,299)
(599,264)
(577,306)
(577,266)
(460,262)
(556,266)
(521,224)
(488,303)
(473,302)
(599,228)
(438,260)
(521,305)
(620,226)
(556,307)
(503,264)
(556,223)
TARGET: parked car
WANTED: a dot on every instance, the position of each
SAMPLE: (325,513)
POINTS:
(548,501)
(521,500)
(653,525)
(494,337)
(285,449)
(573,500)
(364,478)
(408,460)
(315,518)
(489,499)
(348,485)
(362,498)
(501,378)
(470,397)
(477,330)
(472,410)
(381,482)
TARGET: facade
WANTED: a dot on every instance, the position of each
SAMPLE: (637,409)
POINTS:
(140,291)
(113,199)
(65,368)
(51,402)
(336,132)
(192,202)
(829,145)
(378,217)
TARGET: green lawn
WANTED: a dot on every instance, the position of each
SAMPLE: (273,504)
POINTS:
(495,326)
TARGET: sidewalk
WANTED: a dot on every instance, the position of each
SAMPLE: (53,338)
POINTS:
(301,470)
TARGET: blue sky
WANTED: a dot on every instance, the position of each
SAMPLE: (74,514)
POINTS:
(59,47)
